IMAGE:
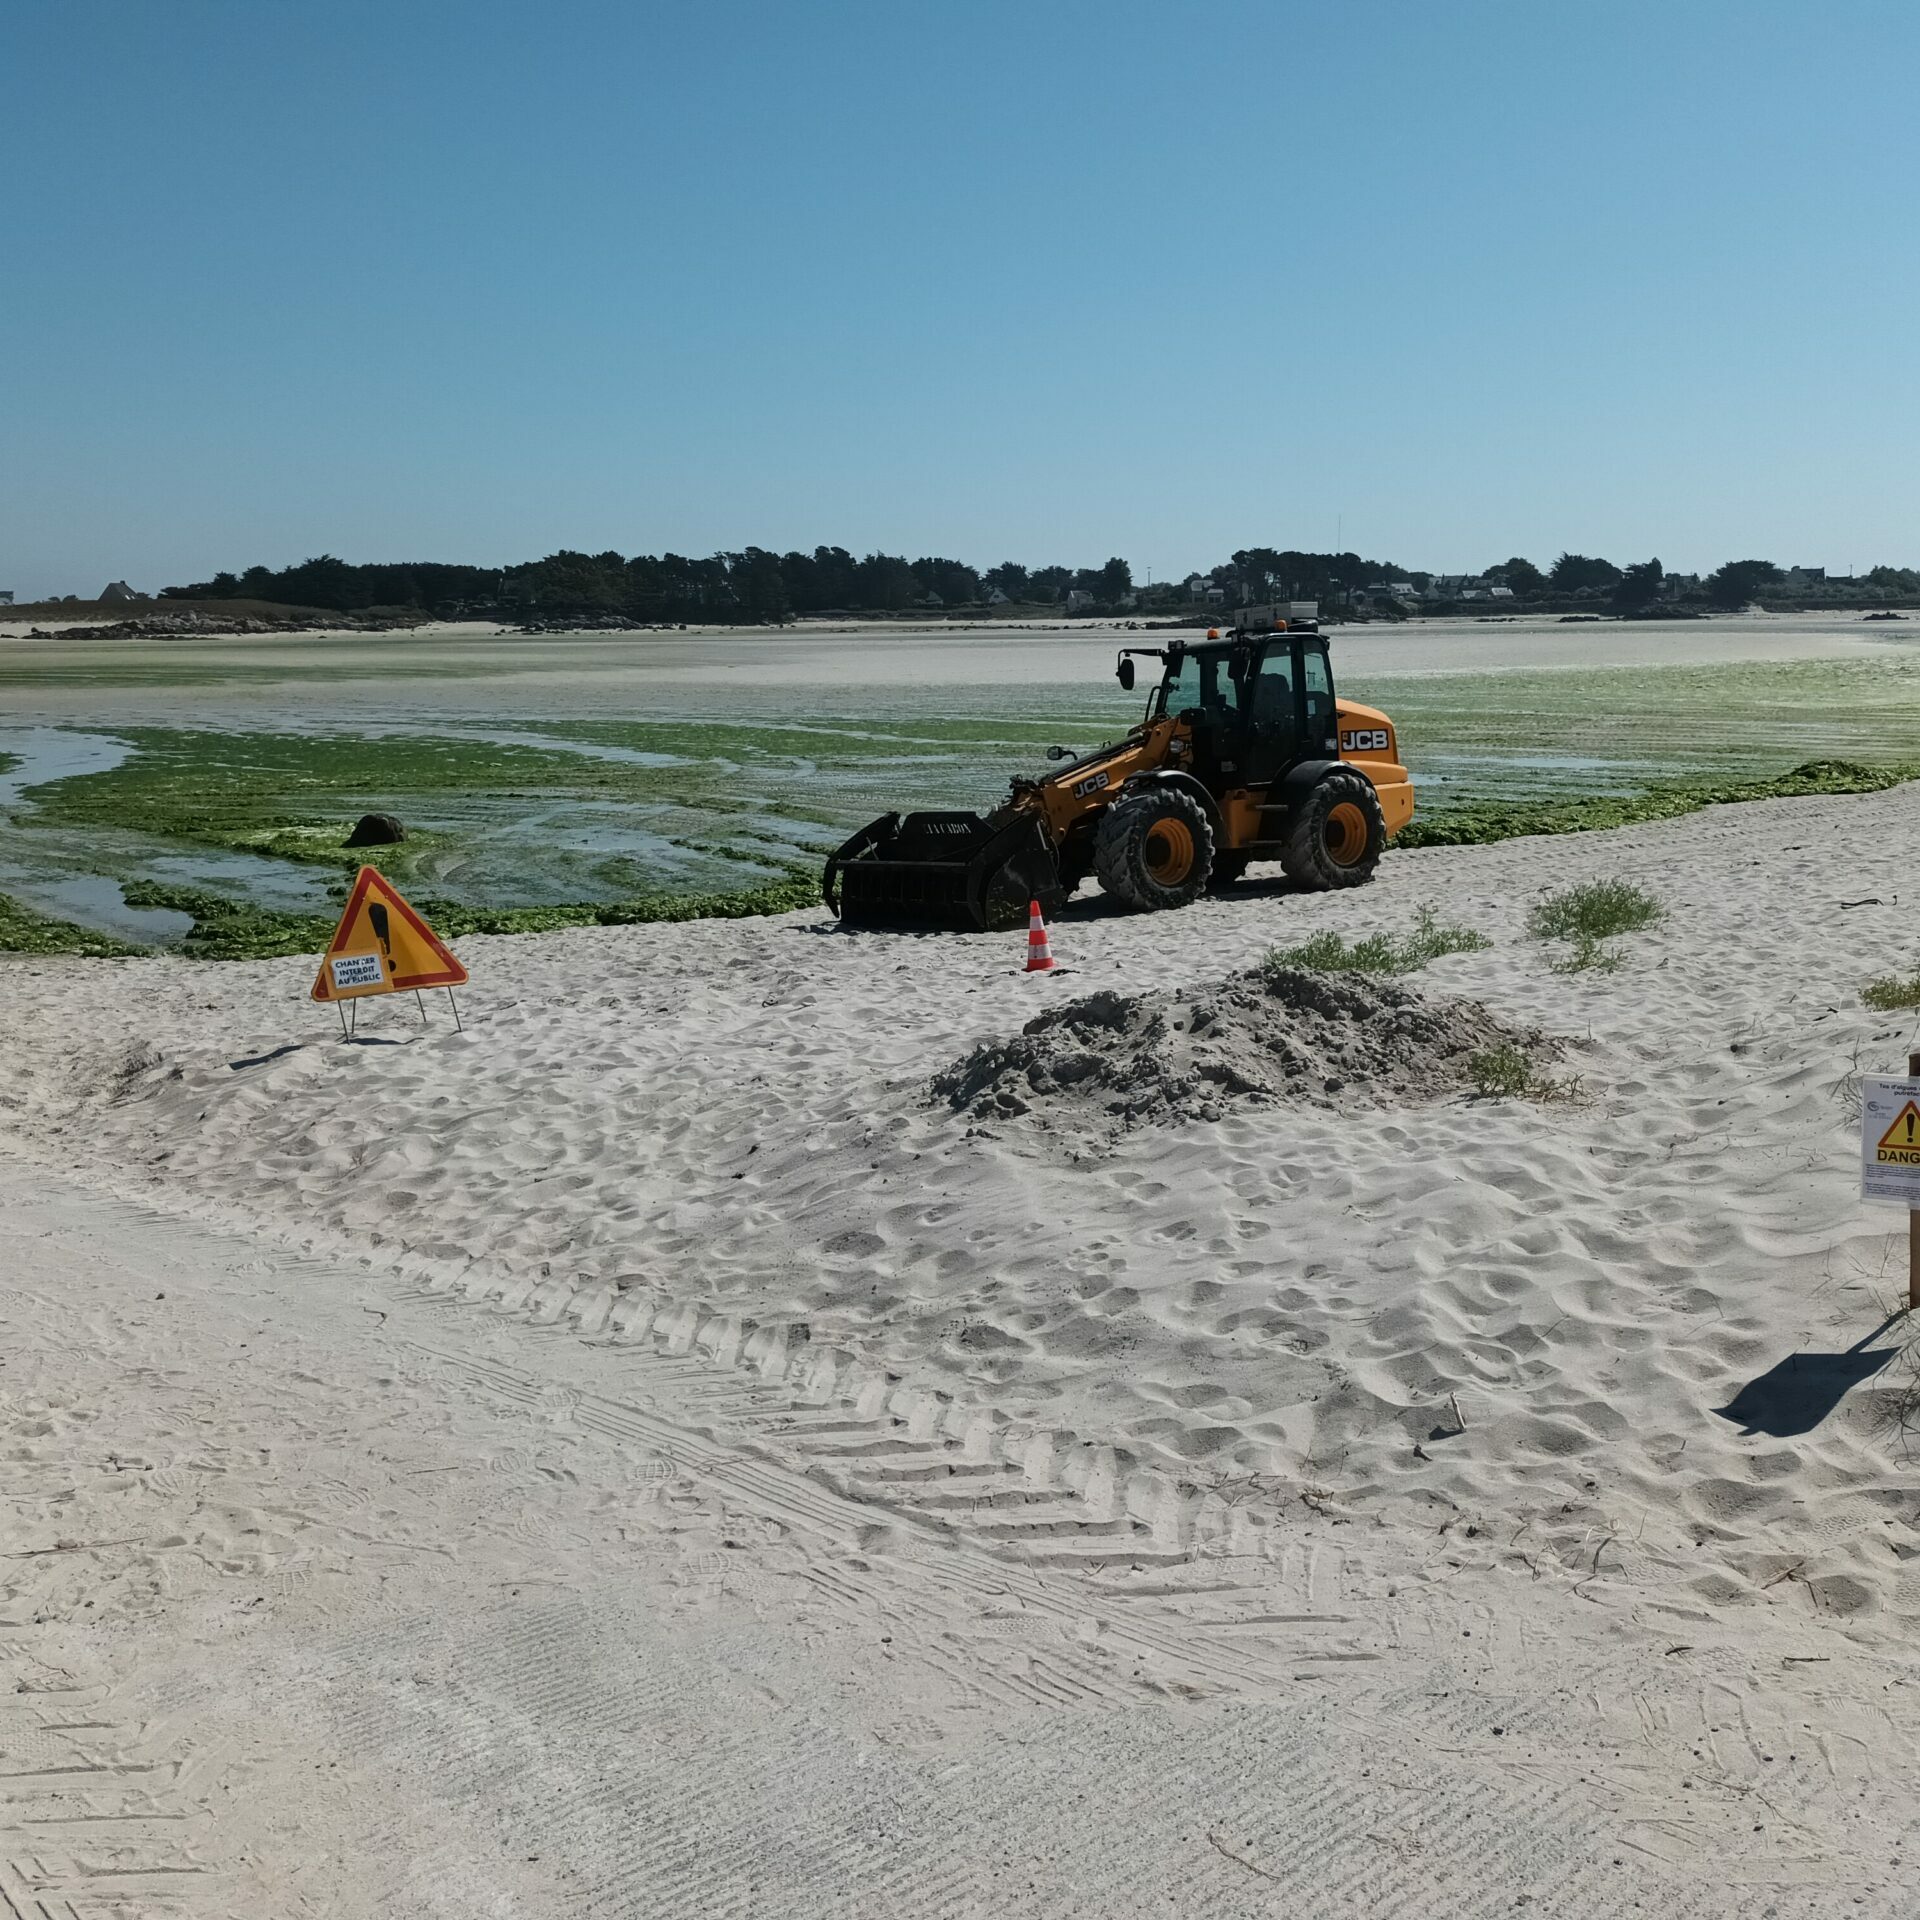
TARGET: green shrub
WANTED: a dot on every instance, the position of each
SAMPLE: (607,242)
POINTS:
(1503,1073)
(1587,916)
(1379,952)
(1891,994)
(1586,955)
(1594,911)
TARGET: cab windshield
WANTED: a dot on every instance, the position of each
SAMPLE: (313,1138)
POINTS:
(1203,680)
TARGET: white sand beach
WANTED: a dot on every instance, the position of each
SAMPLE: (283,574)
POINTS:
(648,1454)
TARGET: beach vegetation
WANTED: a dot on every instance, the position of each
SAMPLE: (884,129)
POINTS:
(1510,1072)
(1897,1404)
(1586,917)
(1505,1072)
(1328,952)
(1594,910)
(1892,993)
(1585,954)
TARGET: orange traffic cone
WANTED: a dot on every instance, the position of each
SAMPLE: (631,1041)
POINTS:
(1039,954)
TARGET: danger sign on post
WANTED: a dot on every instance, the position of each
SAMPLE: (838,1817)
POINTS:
(382,946)
(1890,1141)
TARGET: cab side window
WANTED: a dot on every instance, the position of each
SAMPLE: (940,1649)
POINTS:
(1320,704)
(1273,710)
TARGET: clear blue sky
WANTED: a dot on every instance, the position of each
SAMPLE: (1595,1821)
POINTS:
(1041,281)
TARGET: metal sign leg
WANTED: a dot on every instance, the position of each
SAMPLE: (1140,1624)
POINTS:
(1913,1220)
(455,1005)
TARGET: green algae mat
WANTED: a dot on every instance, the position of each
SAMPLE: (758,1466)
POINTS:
(202,820)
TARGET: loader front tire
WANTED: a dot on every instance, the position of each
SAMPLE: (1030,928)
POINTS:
(1338,834)
(1154,849)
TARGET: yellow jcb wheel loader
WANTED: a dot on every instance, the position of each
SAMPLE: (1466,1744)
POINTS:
(1245,753)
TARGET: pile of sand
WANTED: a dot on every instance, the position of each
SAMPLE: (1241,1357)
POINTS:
(1264,1035)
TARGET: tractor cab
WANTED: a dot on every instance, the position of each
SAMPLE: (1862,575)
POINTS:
(1253,705)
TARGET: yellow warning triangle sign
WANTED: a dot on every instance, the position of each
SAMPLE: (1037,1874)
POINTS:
(1901,1141)
(382,946)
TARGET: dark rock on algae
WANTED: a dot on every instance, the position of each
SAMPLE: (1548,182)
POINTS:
(376,830)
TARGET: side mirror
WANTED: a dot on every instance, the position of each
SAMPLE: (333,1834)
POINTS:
(1059,753)
(1125,671)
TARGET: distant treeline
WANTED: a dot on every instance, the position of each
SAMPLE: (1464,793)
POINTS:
(1647,584)
(751,586)
(757,585)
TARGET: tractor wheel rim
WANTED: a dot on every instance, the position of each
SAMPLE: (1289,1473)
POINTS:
(1169,852)
(1346,834)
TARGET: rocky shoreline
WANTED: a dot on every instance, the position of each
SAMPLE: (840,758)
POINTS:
(200,626)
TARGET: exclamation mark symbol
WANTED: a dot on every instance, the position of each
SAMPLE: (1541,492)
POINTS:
(1910,1118)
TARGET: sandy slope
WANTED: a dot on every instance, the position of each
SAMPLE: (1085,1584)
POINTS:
(1204,1345)
(735,1114)
(322,1596)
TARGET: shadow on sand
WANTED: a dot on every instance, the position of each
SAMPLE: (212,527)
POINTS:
(1797,1393)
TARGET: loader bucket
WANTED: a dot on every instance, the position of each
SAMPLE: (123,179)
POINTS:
(952,870)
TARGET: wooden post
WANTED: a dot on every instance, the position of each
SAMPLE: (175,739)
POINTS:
(1913,1221)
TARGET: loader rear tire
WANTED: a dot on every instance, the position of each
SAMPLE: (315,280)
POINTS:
(1338,834)
(1154,849)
